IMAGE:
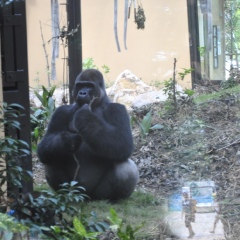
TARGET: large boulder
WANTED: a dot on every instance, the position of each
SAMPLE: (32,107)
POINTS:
(131,91)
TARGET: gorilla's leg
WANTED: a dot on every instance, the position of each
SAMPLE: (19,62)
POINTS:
(118,183)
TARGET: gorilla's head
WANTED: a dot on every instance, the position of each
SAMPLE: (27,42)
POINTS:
(89,87)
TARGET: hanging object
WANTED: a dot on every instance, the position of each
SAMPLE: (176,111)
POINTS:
(125,24)
(140,17)
(115,24)
(55,38)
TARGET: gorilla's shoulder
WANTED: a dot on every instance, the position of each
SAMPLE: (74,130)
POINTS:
(66,109)
(63,112)
(115,108)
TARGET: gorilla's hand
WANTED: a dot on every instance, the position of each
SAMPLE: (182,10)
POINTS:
(72,141)
(84,119)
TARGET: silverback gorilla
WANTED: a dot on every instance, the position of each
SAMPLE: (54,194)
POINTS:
(90,142)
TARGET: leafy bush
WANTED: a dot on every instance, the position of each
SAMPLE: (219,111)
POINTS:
(89,63)
(40,210)
(124,231)
(40,116)
(11,229)
(11,150)
(170,89)
(232,81)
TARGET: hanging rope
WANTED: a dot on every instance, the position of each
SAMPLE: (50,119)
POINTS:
(55,39)
(125,23)
(115,24)
(139,19)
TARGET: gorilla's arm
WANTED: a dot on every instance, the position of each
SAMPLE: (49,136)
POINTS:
(108,134)
(59,143)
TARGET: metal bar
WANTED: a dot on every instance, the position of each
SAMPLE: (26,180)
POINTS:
(74,42)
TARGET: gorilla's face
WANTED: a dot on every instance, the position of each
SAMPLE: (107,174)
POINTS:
(89,87)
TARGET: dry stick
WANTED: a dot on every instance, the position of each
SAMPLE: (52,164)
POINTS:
(78,167)
(174,84)
(90,104)
(234,142)
(46,55)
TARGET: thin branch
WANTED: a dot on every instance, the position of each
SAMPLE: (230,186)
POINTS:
(46,55)
(234,142)
(174,84)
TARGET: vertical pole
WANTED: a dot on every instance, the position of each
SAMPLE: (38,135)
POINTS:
(194,41)
(74,42)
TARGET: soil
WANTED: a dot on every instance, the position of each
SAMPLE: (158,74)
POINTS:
(197,142)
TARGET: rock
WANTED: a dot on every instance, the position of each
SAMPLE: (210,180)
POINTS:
(148,98)
(126,87)
(131,91)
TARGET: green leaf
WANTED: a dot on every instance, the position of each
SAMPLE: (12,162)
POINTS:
(146,123)
(40,98)
(189,92)
(157,126)
(78,226)
(36,132)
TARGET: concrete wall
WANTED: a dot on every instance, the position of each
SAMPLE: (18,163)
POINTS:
(150,52)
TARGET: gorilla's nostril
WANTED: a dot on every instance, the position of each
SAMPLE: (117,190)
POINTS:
(83,93)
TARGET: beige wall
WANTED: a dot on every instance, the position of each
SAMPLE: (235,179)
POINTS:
(150,52)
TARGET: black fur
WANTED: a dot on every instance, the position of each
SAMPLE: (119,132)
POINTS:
(90,141)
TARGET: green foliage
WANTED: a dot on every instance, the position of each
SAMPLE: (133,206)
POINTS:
(11,149)
(189,92)
(140,207)
(202,51)
(80,229)
(231,82)
(11,229)
(145,124)
(40,116)
(216,95)
(41,212)
(232,26)
(124,231)
(80,232)
(106,69)
(89,63)
(170,89)
(183,74)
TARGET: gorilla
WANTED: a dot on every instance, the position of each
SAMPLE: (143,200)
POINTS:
(90,141)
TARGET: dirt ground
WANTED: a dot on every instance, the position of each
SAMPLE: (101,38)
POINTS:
(199,142)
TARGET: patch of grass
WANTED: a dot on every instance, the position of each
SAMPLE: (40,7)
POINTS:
(139,208)
(41,187)
(216,95)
